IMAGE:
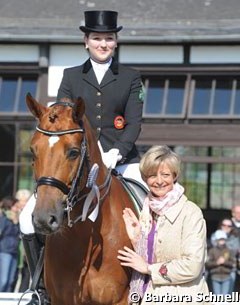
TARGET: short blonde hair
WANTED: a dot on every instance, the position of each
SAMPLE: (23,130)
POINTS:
(23,194)
(156,155)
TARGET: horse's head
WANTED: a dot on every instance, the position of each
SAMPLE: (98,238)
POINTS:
(61,162)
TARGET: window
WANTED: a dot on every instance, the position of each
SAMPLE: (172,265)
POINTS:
(192,96)
(13,91)
(15,157)
(215,183)
(194,179)
(16,125)
(216,97)
(165,97)
(24,156)
(225,185)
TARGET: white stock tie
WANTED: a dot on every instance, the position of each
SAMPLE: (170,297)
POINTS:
(100,70)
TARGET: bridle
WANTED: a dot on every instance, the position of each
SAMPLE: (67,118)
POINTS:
(56,182)
(73,193)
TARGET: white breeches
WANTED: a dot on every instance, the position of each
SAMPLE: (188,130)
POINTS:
(25,218)
(131,171)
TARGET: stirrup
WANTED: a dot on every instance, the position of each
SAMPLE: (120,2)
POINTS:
(33,292)
(36,296)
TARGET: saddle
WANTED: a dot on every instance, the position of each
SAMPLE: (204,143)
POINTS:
(135,189)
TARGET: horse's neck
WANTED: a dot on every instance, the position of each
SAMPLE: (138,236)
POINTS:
(94,153)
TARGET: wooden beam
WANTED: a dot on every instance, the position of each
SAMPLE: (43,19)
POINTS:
(190,135)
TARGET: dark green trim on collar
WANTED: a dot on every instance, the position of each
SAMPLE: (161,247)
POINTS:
(87,66)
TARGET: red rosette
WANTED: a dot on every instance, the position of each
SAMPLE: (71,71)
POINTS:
(119,122)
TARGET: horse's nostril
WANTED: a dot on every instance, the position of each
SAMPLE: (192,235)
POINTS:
(53,222)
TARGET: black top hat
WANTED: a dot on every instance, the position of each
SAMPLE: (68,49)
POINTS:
(100,21)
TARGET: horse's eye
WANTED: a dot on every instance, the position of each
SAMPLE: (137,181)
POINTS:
(73,153)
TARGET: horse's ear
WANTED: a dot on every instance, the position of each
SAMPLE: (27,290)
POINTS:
(78,110)
(35,108)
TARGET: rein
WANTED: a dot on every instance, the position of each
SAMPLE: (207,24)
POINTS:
(73,192)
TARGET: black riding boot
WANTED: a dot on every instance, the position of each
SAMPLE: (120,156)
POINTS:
(33,247)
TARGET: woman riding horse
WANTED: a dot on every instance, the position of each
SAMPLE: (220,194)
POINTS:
(114,98)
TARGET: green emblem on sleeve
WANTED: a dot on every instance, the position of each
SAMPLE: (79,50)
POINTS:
(142,94)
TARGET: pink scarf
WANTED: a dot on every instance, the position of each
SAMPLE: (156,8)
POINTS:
(159,206)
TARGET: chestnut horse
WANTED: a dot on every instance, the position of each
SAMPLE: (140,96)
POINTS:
(79,208)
